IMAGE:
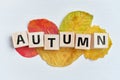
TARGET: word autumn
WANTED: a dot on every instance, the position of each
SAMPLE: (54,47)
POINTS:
(63,39)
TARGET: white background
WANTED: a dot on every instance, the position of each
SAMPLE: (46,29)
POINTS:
(14,17)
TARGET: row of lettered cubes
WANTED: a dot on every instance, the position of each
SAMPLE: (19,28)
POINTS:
(63,39)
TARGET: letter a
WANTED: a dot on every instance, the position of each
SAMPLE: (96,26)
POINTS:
(19,39)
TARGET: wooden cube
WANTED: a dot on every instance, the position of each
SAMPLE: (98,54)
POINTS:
(67,39)
(36,39)
(51,42)
(100,40)
(20,39)
(83,41)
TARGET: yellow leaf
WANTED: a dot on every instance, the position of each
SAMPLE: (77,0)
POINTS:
(76,21)
(94,54)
